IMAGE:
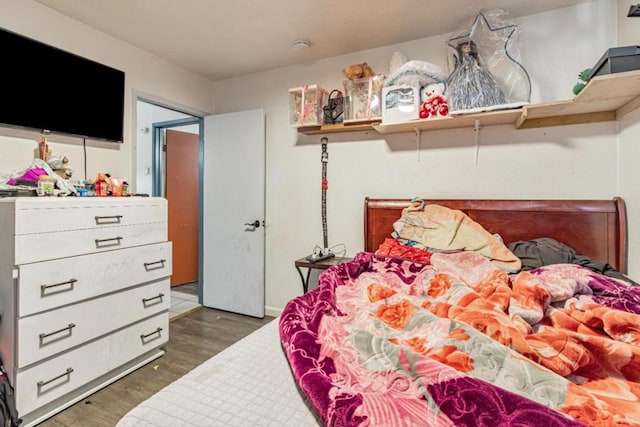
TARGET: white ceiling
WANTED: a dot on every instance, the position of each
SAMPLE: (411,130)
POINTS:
(224,38)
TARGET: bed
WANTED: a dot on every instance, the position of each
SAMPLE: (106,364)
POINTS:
(388,340)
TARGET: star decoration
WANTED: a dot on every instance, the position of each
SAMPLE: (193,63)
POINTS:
(494,40)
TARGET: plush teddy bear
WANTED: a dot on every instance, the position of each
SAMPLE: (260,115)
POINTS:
(434,103)
(358,71)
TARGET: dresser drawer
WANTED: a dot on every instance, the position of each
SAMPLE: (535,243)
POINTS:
(47,246)
(41,384)
(50,284)
(42,216)
(51,332)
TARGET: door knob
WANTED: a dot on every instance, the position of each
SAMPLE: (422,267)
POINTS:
(254,224)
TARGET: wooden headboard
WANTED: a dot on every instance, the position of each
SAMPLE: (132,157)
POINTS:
(594,228)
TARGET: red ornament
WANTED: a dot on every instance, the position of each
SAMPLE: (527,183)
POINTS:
(325,184)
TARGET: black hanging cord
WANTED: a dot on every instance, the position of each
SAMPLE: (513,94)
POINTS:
(325,186)
(323,253)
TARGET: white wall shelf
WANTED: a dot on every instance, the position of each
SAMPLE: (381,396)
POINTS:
(604,98)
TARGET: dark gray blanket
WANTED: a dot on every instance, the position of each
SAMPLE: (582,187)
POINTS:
(545,251)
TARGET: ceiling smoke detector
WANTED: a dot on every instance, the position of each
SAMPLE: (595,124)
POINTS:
(301,45)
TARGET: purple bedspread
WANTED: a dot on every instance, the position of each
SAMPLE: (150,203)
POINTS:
(385,341)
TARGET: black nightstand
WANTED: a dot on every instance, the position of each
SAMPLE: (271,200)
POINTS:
(320,265)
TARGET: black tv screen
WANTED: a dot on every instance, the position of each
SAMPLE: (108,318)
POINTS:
(48,89)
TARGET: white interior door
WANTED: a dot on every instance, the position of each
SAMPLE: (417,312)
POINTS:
(234,196)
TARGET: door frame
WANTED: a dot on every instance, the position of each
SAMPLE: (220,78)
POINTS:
(157,169)
(157,140)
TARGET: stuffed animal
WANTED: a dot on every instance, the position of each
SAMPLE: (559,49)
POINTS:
(430,90)
(434,104)
(358,71)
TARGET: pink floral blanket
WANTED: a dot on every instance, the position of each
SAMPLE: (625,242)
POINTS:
(385,341)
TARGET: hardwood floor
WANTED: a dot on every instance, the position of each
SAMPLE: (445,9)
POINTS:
(193,339)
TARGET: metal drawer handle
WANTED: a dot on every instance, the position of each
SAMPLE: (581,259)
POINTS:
(149,264)
(146,300)
(64,374)
(68,328)
(116,239)
(110,219)
(145,336)
(68,282)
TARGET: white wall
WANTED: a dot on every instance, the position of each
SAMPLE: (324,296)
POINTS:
(561,162)
(146,75)
(629,147)
(628,27)
(629,138)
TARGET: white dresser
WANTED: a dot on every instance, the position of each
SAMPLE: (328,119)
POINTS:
(84,294)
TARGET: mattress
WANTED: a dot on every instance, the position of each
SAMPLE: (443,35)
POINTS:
(247,384)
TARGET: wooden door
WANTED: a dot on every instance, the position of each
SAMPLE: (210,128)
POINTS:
(233,199)
(182,193)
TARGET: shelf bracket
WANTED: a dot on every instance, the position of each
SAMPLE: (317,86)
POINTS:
(418,137)
(476,137)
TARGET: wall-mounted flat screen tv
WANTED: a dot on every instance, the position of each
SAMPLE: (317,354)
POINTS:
(49,89)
